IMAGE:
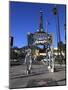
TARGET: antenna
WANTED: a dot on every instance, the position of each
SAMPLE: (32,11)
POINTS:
(41,22)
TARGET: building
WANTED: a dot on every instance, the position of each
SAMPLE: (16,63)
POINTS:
(11,41)
(40,38)
(30,39)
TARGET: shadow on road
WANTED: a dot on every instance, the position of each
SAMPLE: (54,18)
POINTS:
(58,69)
(44,83)
(22,76)
(41,83)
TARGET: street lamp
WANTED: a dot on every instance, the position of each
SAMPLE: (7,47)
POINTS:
(55,12)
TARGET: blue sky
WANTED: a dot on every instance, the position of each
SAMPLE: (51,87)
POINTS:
(24,18)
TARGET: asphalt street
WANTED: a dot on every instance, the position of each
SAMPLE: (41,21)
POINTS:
(40,76)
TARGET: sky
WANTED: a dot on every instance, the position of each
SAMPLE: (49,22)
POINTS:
(24,18)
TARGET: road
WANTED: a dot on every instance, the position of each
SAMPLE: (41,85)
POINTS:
(39,77)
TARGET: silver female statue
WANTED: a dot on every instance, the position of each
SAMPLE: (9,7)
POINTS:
(28,61)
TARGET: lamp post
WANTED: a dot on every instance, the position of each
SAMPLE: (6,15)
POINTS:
(55,12)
